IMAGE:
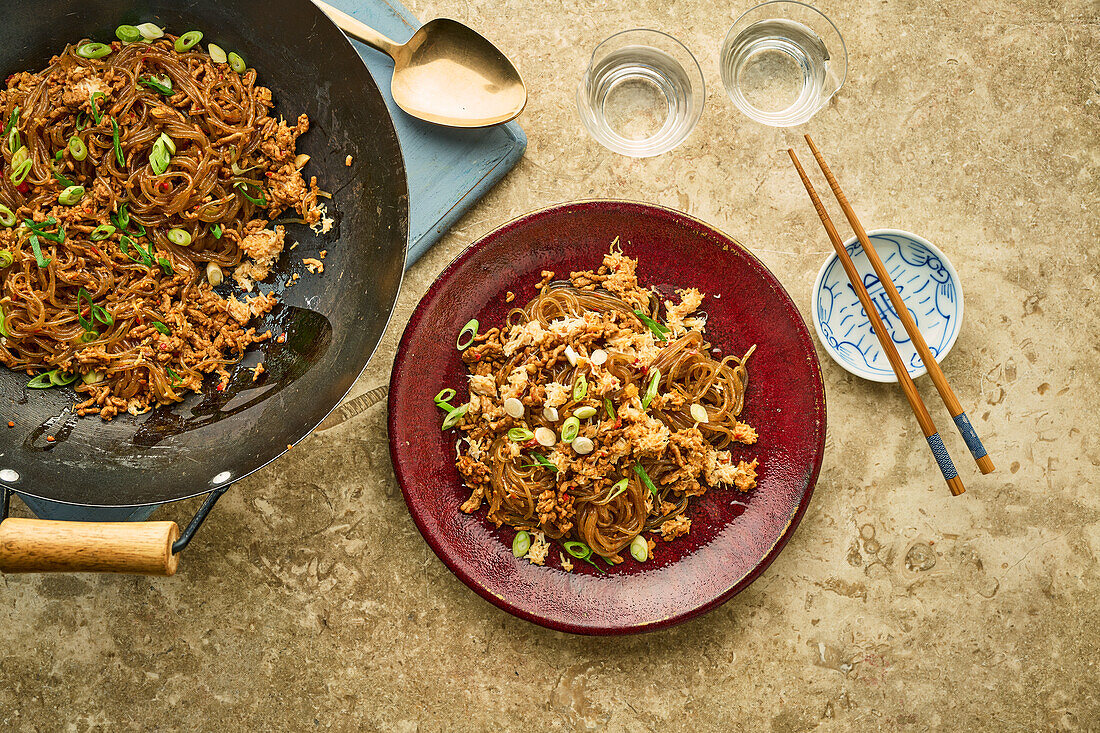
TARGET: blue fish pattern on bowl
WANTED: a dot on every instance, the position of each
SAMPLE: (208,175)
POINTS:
(928,286)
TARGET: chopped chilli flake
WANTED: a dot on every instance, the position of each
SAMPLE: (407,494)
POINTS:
(281,338)
(50,439)
(11,424)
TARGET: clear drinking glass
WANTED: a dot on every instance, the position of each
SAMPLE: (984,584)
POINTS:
(783,61)
(642,93)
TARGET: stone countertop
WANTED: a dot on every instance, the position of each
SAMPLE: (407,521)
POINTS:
(309,600)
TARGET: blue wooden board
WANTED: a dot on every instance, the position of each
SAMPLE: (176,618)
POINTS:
(448,170)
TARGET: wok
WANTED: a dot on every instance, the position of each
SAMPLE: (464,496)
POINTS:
(333,320)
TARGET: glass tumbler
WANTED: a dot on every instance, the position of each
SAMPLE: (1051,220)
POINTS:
(642,93)
(783,61)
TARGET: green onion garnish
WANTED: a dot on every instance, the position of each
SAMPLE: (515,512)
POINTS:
(454,416)
(217,53)
(166,266)
(150,31)
(159,159)
(3,325)
(96,117)
(18,175)
(77,148)
(520,435)
(100,314)
(645,478)
(162,84)
(521,544)
(179,237)
(7,216)
(661,332)
(176,379)
(570,428)
(187,41)
(651,390)
(88,337)
(63,180)
(101,232)
(59,155)
(467,335)
(236,62)
(13,120)
(93,50)
(143,256)
(544,462)
(162,328)
(581,551)
(217,230)
(169,143)
(580,388)
(42,381)
(60,379)
(37,249)
(39,228)
(618,488)
(445,395)
(84,302)
(71,196)
(609,407)
(117,142)
(128,33)
(122,218)
(15,144)
(6,258)
(244,186)
(639,549)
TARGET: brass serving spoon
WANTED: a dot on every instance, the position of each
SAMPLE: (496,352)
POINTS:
(446,73)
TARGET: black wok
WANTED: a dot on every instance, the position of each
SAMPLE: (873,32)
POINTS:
(333,320)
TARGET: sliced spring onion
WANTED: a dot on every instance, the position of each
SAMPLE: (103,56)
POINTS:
(545,436)
(122,218)
(214,274)
(96,96)
(187,41)
(179,237)
(39,228)
(514,408)
(88,337)
(550,413)
(84,303)
(3,325)
(609,407)
(159,158)
(521,544)
(217,231)
(77,148)
(117,142)
(18,175)
(92,377)
(59,155)
(71,196)
(100,314)
(454,416)
(217,53)
(169,143)
(570,428)
(651,390)
(544,462)
(6,258)
(520,435)
(162,328)
(101,232)
(467,335)
(445,395)
(236,62)
(20,156)
(616,489)
(60,379)
(598,357)
(127,33)
(15,144)
(150,31)
(62,178)
(571,355)
(176,379)
(7,216)
(162,84)
(699,413)
(645,478)
(42,381)
(13,121)
(93,50)
(583,445)
(37,249)
(580,388)
(660,331)
(244,186)
(639,549)
(166,266)
(581,551)
(585,412)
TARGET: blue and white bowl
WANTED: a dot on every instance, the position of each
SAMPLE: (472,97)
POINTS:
(929,287)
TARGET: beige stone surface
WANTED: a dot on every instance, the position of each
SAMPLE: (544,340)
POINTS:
(309,600)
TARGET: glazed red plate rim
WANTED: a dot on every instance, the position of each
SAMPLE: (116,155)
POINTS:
(734,536)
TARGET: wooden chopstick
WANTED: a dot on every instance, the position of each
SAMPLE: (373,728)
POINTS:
(962,422)
(943,460)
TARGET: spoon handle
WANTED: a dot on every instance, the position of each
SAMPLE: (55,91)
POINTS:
(359,30)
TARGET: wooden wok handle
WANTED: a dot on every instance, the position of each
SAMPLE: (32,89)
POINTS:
(47,546)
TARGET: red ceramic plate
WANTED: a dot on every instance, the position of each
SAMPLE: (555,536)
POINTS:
(733,536)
